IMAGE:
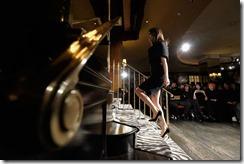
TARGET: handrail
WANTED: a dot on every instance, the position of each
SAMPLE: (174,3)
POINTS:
(134,69)
(65,73)
(75,58)
(96,19)
(171,94)
(82,49)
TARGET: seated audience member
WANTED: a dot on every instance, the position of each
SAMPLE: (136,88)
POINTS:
(182,87)
(234,102)
(205,86)
(229,100)
(220,113)
(213,101)
(238,112)
(199,103)
(193,86)
(199,92)
(174,101)
(186,101)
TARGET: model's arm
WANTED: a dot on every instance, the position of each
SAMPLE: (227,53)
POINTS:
(166,71)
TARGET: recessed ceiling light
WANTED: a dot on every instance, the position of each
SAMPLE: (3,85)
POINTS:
(185,47)
(147,21)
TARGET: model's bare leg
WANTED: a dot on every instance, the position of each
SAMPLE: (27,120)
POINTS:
(140,93)
(154,101)
(161,121)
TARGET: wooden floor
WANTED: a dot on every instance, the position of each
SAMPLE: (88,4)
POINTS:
(207,140)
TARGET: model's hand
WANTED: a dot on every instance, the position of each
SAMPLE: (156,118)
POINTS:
(166,82)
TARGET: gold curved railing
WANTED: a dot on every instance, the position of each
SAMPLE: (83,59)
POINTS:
(65,77)
(78,54)
(82,49)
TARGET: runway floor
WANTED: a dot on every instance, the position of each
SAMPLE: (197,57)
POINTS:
(148,138)
(207,140)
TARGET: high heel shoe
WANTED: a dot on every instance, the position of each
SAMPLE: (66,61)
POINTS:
(166,131)
(155,119)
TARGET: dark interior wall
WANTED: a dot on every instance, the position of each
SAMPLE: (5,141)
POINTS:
(118,33)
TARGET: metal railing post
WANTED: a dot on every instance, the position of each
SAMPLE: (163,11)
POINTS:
(161,101)
(118,79)
(167,103)
(144,105)
(167,108)
(150,113)
(134,94)
(123,90)
(139,103)
(128,85)
(113,84)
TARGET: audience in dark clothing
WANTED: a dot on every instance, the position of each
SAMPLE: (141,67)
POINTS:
(175,101)
(230,98)
(214,103)
(186,101)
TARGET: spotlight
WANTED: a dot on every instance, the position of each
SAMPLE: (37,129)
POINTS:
(124,74)
(185,47)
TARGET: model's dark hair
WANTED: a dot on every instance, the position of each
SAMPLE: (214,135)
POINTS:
(156,35)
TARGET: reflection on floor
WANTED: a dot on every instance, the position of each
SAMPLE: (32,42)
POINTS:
(207,140)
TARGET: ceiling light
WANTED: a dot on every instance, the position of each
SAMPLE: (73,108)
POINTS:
(124,62)
(185,47)
(222,68)
(231,67)
(147,21)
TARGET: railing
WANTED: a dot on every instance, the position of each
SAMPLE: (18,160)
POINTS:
(130,78)
(64,74)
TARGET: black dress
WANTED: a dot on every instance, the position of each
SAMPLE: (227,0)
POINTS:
(155,81)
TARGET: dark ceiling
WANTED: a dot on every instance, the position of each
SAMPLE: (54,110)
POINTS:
(211,26)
